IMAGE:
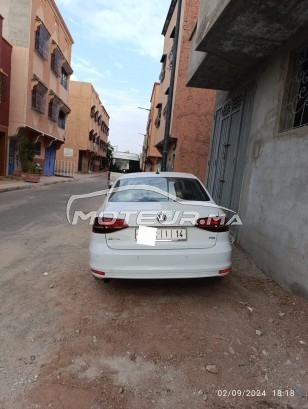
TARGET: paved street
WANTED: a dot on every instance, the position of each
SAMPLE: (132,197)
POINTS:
(69,341)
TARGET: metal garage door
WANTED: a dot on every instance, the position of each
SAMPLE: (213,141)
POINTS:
(229,147)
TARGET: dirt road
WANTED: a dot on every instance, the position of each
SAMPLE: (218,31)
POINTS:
(69,341)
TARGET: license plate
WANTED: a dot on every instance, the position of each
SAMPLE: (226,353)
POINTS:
(169,234)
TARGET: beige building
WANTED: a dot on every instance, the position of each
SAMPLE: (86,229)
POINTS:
(87,131)
(188,121)
(40,78)
(152,156)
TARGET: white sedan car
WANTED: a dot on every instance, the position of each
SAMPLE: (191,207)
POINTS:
(159,225)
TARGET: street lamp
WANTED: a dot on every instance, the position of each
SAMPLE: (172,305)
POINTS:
(147,109)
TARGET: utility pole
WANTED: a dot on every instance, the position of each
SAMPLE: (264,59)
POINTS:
(171,90)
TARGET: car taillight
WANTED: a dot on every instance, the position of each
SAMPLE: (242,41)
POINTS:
(100,273)
(214,224)
(104,225)
(225,271)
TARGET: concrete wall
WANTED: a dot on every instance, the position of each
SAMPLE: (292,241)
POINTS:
(210,11)
(257,40)
(18,13)
(274,199)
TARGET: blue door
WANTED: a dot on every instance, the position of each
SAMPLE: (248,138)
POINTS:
(49,163)
(11,164)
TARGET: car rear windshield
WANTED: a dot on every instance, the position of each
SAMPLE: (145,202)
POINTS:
(144,189)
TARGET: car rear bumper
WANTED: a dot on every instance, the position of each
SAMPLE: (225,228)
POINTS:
(192,263)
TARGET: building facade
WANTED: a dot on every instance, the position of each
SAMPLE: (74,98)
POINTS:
(151,155)
(183,116)
(39,79)
(258,165)
(87,131)
(5,80)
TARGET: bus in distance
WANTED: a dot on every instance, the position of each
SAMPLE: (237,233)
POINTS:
(123,162)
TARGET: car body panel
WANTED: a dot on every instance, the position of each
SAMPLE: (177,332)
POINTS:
(117,254)
(161,263)
(177,216)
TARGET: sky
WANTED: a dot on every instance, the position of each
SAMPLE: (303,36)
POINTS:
(117,47)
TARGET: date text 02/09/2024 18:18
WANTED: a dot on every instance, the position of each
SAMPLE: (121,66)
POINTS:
(254,393)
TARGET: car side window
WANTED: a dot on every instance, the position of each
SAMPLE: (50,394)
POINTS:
(189,189)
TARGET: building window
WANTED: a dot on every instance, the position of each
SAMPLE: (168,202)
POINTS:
(3,88)
(92,111)
(96,116)
(170,58)
(61,119)
(64,78)
(157,120)
(42,41)
(54,108)
(56,62)
(148,126)
(99,120)
(39,92)
(37,148)
(165,110)
(163,68)
(105,128)
(295,112)
(91,135)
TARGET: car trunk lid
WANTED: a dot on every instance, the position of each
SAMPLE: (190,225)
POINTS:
(175,223)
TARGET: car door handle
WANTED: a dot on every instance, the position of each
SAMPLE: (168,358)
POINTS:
(221,180)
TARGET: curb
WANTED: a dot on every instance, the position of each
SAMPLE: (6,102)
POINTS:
(35,185)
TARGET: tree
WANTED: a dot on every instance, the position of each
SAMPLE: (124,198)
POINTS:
(108,148)
(25,154)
